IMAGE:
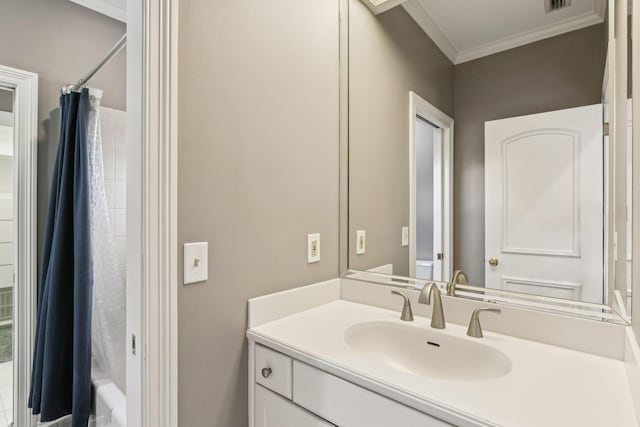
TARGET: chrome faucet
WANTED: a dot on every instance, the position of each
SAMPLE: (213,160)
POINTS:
(459,277)
(437,316)
(407,313)
(475,330)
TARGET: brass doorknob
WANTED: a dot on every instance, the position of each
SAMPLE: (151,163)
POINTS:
(493,261)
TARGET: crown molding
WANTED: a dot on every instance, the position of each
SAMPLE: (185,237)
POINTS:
(106,8)
(527,37)
(379,6)
(429,26)
(600,7)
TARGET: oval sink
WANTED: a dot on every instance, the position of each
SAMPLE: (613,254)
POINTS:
(426,352)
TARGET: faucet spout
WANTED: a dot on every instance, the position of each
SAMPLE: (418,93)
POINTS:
(459,277)
(437,315)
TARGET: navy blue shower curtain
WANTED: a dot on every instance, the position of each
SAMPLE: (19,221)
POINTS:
(61,376)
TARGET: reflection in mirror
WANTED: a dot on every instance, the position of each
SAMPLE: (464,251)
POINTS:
(7,250)
(479,142)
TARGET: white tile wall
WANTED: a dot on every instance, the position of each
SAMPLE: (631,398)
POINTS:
(6,239)
(6,231)
(120,194)
(113,126)
(6,253)
(6,208)
(6,275)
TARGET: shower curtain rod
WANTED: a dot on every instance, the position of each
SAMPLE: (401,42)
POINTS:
(83,81)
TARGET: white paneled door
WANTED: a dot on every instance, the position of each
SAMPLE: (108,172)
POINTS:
(544,204)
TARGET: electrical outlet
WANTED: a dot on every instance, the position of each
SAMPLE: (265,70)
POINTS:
(313,248)
(405,236)
(360,242)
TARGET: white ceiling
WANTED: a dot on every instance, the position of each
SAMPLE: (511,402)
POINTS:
(470,29)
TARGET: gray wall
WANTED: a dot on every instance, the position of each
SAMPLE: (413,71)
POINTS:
(389,55)
(560,72)
(258,171)
(60,41)
(6,100)
(424,190)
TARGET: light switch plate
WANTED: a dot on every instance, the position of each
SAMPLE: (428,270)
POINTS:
(361,242)
(196,262)
(313,248)
(405,236)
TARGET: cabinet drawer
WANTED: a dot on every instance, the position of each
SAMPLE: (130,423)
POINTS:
(272,410)
(273,370)
(348,405)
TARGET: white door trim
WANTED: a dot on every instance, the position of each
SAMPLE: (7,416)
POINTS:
(419,107)
(25,112)
(152,281)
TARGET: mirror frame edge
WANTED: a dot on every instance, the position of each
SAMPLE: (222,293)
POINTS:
(343,112)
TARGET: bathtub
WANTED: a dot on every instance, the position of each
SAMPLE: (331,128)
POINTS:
(110,407)
(110,403)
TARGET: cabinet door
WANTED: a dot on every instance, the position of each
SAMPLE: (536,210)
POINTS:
(272,410)
(349,405)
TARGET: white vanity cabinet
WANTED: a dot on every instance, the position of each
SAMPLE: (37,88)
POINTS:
(290,393)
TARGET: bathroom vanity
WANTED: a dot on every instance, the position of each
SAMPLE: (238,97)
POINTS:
(541,216)
(337,353)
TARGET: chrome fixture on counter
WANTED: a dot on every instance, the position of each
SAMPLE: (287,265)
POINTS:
(459,277)
(475,330)
(437,316)
(407,313)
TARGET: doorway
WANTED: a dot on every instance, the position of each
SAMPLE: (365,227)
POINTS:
(428,200)
(18,144)
(430,174)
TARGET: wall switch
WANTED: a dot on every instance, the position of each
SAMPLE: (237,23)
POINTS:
(360,242)
(313,248)
(196,262)
(405,236)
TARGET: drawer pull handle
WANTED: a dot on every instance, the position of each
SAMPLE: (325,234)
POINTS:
(266,372)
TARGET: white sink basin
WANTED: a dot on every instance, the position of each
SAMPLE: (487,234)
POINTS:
(427,352)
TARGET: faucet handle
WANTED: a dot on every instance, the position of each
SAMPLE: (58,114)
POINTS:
(475,330)
(407,313)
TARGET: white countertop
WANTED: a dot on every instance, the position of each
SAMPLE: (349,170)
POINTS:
(547,385)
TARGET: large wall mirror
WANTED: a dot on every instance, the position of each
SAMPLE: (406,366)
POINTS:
(493,138)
